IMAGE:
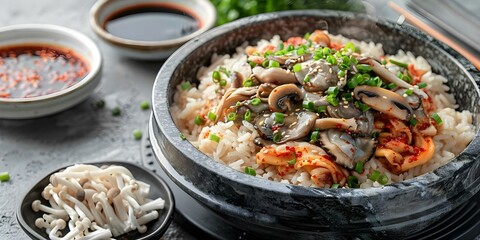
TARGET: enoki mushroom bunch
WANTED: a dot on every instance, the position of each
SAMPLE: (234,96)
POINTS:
(96,202)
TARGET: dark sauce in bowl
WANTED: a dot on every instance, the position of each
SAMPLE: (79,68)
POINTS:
(151,22)
(38,69)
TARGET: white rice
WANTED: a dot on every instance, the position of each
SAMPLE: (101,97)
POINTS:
(237,148)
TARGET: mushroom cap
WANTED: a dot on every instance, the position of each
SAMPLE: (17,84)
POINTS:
(273,75)
(384,101)
(282,97)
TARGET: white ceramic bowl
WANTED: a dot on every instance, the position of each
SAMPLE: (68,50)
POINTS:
(202,10)
(22,108)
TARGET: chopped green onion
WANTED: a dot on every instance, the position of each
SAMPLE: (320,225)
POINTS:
(182,137)
(100,103)
(318,54)
(247,116)
(321,109)
(376,134)
(332,91)
(4,176)
(256,101)
(293,161)
(349,46)
(346,61)
(335,185)
(301,51)
(290,48)
(437,118)
(199,120)
(307,35)
(374,176)
(265,63)
(232,116)
(343,66)
(144,105)
(391,85)
(364,78)
(314,136)
(413,121)
(352,82)
(306,79)
(326,51)
(422,85)
(267,53)
(279,118)
(310,43)
(247,82)
(297,67)
(359,167)
(331,59)
(185,86)
(223,82)
(214,137)
(409,92)
(137,134)
(280,46)
(362,106)
(224,70)
(341,73)
(352,181)
(250,171)
(348,96)
(252,64)
(383,62)
(376,82)
(353,60)
(309,105)
(274,64)
(212,116)
(277,137)
(216,76)
(116,111)
(383,179)
(364,68)
(332,99)
(407,78)
(400,64)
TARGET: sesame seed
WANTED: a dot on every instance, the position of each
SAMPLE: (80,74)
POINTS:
(405,95)
(314,151)
(384,97)
(287,136)
(345,106)
(265,151)
(330,70)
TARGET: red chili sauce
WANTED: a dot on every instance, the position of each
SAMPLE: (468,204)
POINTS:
(35,70)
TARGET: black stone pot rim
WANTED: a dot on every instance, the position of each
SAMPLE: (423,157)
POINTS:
(164,121)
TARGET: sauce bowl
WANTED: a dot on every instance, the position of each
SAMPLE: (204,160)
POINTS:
(275,210)
(201,10)
(38,34)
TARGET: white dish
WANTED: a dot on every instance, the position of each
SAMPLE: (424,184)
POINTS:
(203,10)
(32,107)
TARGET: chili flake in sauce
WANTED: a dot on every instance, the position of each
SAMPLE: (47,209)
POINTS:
(35,70)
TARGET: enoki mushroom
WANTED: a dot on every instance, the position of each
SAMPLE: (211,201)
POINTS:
(95,203)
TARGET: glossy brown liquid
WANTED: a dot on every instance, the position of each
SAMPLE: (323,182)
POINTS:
(151,23)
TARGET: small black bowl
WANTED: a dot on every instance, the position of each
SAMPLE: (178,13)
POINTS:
(280,210)
(158,188)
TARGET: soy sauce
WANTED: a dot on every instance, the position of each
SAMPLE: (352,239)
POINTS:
(151,22)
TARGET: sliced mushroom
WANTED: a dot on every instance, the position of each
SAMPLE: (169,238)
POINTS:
(317,99)
(336,123)
(273,75)
(384,101)
(284,97)
(390,77)
(295,126)
(232,96)
(264,91)
(365,124)
(346,149)
(322,75)
(344,110)
(289,61)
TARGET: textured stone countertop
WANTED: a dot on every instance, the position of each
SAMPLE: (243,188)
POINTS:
(31,148)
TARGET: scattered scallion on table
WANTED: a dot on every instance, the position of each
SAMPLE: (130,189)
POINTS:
(4,176)
(116,111)
(145,105)
(137,134)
